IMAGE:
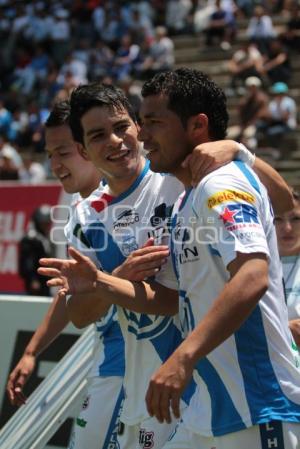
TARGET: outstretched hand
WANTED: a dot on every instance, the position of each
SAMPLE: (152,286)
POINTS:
(143,263)
(77,275)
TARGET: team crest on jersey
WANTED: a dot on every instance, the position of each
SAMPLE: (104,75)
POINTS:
(229,195)
(146,440)
(126,218)
(128,245)
(239,215)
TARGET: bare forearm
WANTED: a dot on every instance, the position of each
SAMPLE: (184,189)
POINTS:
(278,190)
(53,323)
(139,297)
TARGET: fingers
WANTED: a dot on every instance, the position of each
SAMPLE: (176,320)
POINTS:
(199,169)
(150,250)
(50,272)
(145,274)
(158,402)
(51,262)
(165,406)
(175,405)
(149,242)
(76,255)
(57,282)
(186,162)
(15,388)
(20,398)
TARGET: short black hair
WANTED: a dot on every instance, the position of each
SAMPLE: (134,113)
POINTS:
(191,92)
(88,96)
(60,114)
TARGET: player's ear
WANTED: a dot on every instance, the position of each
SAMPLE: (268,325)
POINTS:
(198,127)
(82,151)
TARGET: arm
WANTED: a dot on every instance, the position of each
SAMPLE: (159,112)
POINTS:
(53,323)
(141,297)
(228,312)
(278,190)
(211,155)
(94,291)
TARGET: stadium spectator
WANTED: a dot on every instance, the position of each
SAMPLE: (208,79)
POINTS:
(260,29)
(31,171)
(178,16)
(60,35)
(252,107)
(281,117)
(161,54)
(245,62)
(127,58)
(220,27)
(277,63)
(288,235)
(291,37)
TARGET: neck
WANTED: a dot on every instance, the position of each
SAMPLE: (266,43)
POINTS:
(184,175)
(84,193)
(118,186)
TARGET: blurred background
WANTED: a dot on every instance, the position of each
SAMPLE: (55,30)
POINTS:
(249,47)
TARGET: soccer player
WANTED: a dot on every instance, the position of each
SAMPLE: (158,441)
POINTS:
(288,236)
(95,427)
(106,134)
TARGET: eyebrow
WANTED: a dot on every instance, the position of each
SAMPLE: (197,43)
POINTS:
(58,148)
(93,131)
(99,129)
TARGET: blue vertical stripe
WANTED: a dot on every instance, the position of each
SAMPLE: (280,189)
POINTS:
(248,174)
(107,251)
(112,432)
(223,408)
(260,382)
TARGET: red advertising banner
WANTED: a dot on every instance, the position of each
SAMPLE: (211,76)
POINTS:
(17,203)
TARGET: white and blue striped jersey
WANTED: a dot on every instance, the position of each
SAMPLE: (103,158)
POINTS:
(108,358)
(291,276)
(114,227)
(253,376)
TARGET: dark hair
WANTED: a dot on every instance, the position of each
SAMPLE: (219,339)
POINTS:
(88,96)
(191,92)
(59,115)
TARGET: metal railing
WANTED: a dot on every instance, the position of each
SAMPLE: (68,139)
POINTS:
(51,403)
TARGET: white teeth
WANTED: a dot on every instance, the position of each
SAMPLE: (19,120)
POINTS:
(118,156)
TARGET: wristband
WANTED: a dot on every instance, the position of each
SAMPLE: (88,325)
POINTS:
(245,155)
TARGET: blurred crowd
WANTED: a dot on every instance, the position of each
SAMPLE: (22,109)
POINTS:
(48,48)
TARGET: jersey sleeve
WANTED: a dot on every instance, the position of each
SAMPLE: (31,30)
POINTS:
(230,212)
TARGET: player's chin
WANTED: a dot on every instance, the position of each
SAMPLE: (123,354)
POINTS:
(155,162)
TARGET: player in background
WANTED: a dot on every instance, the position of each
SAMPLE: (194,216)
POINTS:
(98,136)
(288,236)
(95,427)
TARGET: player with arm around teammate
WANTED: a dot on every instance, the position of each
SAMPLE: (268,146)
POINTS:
(112,290)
